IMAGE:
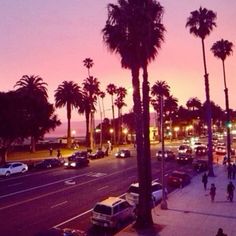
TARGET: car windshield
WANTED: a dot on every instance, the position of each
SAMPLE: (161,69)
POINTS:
(102,209)
(133,189)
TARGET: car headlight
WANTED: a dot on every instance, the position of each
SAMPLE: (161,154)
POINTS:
(122,154)
(177,158)
(116,154)
(66,164)
(73,164)
(186,158)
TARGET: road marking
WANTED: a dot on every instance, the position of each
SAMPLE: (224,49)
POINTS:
(103,188)
(57,191)
(59,204)
(82,214)
(10,185)
(96,174)
(77,216)
(41,186)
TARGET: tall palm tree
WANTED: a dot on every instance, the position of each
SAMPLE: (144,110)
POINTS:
(88,63)
(201,22)
(111,89)
(68,94)
(221,49)
(129,26)
(91,88)
(33,87)
(102,114)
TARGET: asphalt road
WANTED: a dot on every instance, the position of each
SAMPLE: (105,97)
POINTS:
(36,201)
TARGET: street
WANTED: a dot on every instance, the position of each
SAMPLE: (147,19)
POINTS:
(38,200)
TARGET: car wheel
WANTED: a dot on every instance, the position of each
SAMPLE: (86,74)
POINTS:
(23,170)
(7,173)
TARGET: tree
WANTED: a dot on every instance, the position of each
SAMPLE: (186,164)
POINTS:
(34,90)
(221,49)
(88,63)
(68,94)
(127,30)
(201,22)
(91,89)
(193,103)
(111,89)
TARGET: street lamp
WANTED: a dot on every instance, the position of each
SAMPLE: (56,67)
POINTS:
(163,202)
(176,129)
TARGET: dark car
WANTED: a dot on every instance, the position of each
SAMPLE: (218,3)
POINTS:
(184,149)
(201,150)
(98,154)
(76,161)
(168,155)
(48,163)
(200,165)
(123,153)
(178,179)
(184,158)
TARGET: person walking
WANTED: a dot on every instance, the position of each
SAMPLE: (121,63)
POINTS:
(213,192)
(205,180)
(59,153)
(230,170)
(230,191)
(220,232)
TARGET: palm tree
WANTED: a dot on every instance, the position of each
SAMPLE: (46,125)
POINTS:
(200,24)
(128,32)
(193,103)
(102,114)
(88,63)
(131,31)
(68,94)
(121,92)
(91,89)
(221,49)
(33,87)
(111,89)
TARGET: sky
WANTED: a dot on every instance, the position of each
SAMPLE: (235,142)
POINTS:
(51,38)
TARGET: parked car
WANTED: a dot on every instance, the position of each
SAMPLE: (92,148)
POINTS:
(78,159)
(98,154)
(168,155)
(132,195)
(201,150)
(123,153)
(48,163)
(184,158)
(222,150)
(112,212)
(62,232)
(184,149)
(13,168)
(178,179)
(200,165)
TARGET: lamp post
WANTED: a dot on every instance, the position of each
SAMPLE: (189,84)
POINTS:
(163,202)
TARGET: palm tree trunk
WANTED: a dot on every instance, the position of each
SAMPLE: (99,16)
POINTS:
(68,125)
(227,115)
(208,110)
(119,125)
(146,148)
(3,155)
(87,128)
(91,130)
(32,144)
(113,120)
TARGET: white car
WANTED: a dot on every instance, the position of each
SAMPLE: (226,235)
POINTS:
(132,196)
(13,168)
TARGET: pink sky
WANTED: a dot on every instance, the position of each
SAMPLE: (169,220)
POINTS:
(51,39)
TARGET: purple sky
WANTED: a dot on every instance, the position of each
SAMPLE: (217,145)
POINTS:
(51,38)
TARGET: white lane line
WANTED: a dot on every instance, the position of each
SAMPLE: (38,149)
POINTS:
(10,185)
(40,186)
(59,204)
(82,214)
(103,188)
(77,216)
(57,191)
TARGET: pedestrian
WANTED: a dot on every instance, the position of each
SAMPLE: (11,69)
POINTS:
(220,232)
(213,192)
(230,191)
(233,171)
(230,170)
(205,180)
(59,153)
(50,151)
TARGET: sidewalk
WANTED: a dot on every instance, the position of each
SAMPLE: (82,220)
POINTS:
(191,212)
